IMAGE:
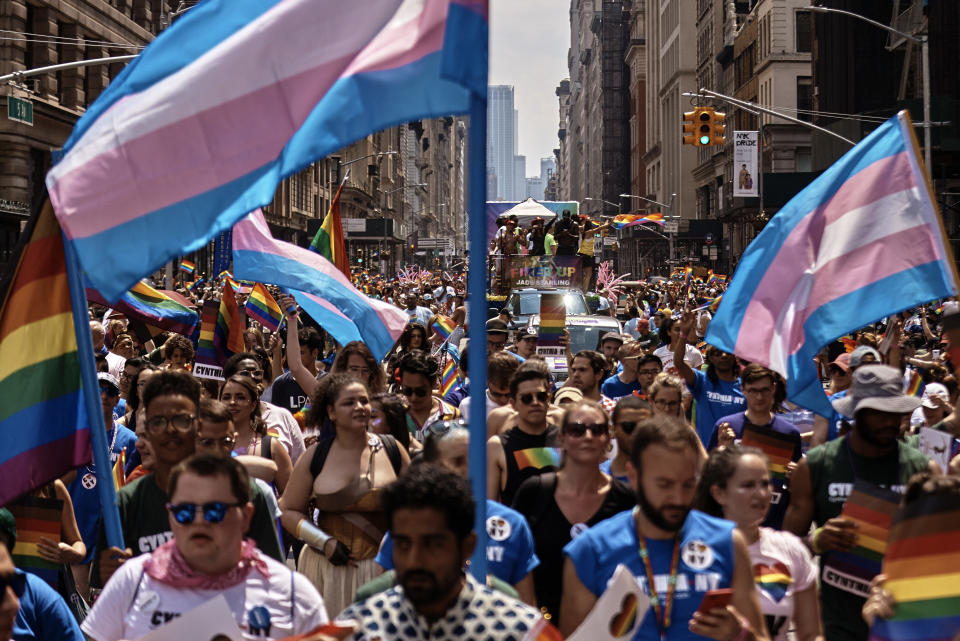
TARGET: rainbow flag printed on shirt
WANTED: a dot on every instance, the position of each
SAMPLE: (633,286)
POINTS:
(538,457)
(773,580)
(872,508)
(922,565)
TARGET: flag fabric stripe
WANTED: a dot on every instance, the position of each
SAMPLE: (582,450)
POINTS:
(929,608)
(333,321)
(929,524)
(38,382)
(262,308)
(17,441)
(932,586)
(257,255)
(147,305)
(943,542)
(826,263)
(383,60)
(37,342)
(20,313)
(923,565)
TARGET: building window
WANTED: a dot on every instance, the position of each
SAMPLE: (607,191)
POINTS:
(803,29)
(301,192)
(804,97)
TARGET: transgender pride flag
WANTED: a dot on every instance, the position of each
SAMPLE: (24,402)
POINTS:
(238,94)
(861,242)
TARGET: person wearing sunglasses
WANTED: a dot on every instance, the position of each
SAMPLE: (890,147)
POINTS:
(527,448)
(29,608)
(172,401)
(501,366)
(561,504)
(418,377)
(628,413)
(208,511)
(82,483)
(510,554)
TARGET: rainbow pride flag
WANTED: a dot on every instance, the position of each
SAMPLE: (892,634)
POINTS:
(194,284)
(553,319)
(778,447)
(450,373)
(228,335)
(717,278)
(774,580)
(239,287)
(538,457)
(916,386)
(206,350)
(443,326)
(188,266)
(145,304)
(922,565)
(629,220)
(262,308)
(687,274)
(872,508)
(40,367)
(36,517)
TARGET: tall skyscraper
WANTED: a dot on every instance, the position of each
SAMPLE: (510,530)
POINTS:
(502,140)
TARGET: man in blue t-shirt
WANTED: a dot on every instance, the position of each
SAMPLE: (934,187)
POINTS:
(624,383)
(717,391)
(764,390)
(664,538)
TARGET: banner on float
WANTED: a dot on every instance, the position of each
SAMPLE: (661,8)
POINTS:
(545,271)
(745,147)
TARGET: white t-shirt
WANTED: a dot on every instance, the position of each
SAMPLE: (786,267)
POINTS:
(287,429)
(465,405)
(693,358)
(132,603)
(115,364)
(782,566)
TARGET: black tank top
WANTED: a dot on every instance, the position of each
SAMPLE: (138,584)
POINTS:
(527,455)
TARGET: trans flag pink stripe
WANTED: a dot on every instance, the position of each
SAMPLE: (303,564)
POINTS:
(861,242)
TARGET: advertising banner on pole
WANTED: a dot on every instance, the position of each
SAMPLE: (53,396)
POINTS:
(745,147)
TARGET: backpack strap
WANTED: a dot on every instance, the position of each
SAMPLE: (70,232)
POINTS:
(266,447)
(320,456)
(393,452)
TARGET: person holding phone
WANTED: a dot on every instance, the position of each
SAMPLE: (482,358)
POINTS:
(736,485)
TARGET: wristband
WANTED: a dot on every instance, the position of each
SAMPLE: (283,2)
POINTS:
(312,535)
(813,541)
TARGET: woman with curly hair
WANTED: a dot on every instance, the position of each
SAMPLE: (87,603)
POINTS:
(240,395)
(339,479)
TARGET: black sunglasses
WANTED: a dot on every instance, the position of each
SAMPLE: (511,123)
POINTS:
(628,426)
(579,429)
(527,398)
(213,512)
(109,390)
(419,391)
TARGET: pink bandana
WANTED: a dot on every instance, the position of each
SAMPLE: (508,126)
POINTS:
(167,565)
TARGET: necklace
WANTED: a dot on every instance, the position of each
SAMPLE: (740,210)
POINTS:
(661,615)
(91,467)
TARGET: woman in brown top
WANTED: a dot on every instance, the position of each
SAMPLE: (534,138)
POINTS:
(332,501)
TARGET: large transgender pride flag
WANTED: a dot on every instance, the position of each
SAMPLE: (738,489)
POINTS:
(238,94)
(862,241)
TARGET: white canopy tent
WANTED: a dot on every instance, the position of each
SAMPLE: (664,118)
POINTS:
(527,211)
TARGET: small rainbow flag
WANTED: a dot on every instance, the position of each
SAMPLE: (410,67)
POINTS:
(916,386)
(629,220)
(872,508)
(225,274)
(778,447)
(119,478)
(262,308)
(538,457)
(922,565)
(188,266)
(718,278)
(36,517)
(849,344)
(450,370)
(194,284)
(145,304)
(711,305)
(774,580)
(241,287)
(688,274)
(553,319)
(443,326)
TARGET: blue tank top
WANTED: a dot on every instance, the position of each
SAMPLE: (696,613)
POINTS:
(706,563)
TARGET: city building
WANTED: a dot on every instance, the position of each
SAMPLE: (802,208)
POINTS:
(501,140)
(60,31)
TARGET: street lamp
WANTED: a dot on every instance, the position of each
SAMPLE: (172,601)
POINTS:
(923,40)
(601,200)
(669,207)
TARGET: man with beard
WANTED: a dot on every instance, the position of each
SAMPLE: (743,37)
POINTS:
(869,454)
(676,554)
(171,400)
(430,511)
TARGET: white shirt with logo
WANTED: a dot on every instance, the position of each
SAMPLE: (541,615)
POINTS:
(132,604)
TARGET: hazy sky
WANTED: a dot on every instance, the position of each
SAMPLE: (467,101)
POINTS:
(528,49)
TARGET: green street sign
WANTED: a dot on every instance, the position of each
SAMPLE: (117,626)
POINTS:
(20,110)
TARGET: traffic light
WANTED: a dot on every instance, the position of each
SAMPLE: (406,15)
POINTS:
(704,126)
(690,127)
(718,135)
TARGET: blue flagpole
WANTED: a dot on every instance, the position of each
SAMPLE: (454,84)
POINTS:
(91,399)
(477,295)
